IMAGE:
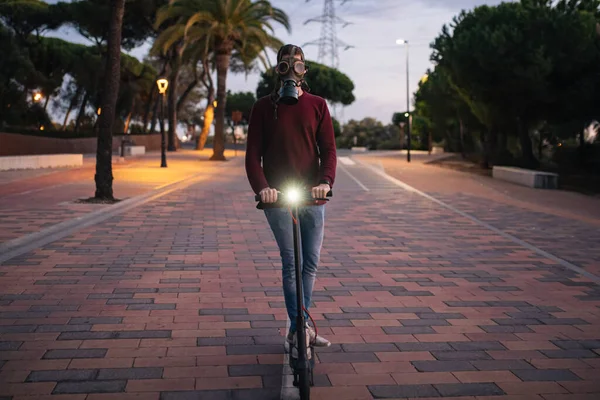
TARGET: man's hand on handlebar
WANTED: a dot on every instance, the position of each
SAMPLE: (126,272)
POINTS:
(320,192)
(268,195)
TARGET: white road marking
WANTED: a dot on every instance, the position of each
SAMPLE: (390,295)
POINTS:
(346,161)
(366,189)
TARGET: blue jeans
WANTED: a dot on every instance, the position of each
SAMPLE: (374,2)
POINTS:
(312,224)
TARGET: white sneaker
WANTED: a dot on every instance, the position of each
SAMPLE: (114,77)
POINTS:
(317,340)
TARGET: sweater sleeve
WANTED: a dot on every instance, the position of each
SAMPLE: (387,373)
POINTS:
(254,151)
(326,143)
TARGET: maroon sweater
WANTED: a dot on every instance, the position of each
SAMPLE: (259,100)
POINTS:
(297,147)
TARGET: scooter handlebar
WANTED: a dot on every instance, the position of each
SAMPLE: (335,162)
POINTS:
(329,194)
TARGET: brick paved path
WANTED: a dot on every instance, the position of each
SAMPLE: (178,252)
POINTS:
(31,200)
(181,299)
(573,240)
(563,223)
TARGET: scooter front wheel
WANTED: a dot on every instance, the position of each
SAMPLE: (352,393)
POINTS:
(304,384)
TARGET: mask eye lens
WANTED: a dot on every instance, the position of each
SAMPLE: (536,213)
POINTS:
(299,68)
(283,67)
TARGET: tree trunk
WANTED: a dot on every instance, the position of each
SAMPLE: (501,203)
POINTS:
(155,113)
(172,101)
(526,146)
(223,58)
(493,146)
(429,142)
(104,177)
(581,149)
(148,107)
(71,105)
(128,120)
(462,137)
(81,111)
(209,115)
(172,116)
(502,142)
(185,94)
(488,141)
(46,103)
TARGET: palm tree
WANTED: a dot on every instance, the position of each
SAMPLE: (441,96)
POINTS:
(228,27)
(104,177)
(170,45)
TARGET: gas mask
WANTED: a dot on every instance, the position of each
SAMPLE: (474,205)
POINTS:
(291,72)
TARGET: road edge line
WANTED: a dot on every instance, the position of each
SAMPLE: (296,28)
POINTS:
(355,179)
(508,236)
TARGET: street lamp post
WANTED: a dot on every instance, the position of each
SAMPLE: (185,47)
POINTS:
(163,84)
(405,42)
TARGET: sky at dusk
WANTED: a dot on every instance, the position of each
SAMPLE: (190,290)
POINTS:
(376,65)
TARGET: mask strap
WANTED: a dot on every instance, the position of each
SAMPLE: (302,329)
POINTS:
(274,100)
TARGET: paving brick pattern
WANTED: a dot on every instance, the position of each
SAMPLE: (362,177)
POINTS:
(31,200)
(26,205)
(181,299)
(16,223)
(572,240)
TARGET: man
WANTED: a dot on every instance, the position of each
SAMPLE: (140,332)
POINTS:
(291,132)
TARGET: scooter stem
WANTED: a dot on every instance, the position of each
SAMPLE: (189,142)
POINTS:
(300,320)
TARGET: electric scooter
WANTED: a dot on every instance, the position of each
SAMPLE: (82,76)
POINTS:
(303,362)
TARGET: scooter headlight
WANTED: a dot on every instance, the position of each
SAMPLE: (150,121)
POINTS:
(293,196)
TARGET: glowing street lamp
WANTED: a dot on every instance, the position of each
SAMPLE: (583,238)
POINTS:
(403,42)
(37,97)
(162,84)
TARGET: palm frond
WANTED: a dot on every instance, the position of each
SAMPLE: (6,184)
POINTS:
(199,18)
(167,38)
(162,15)
(244,28)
